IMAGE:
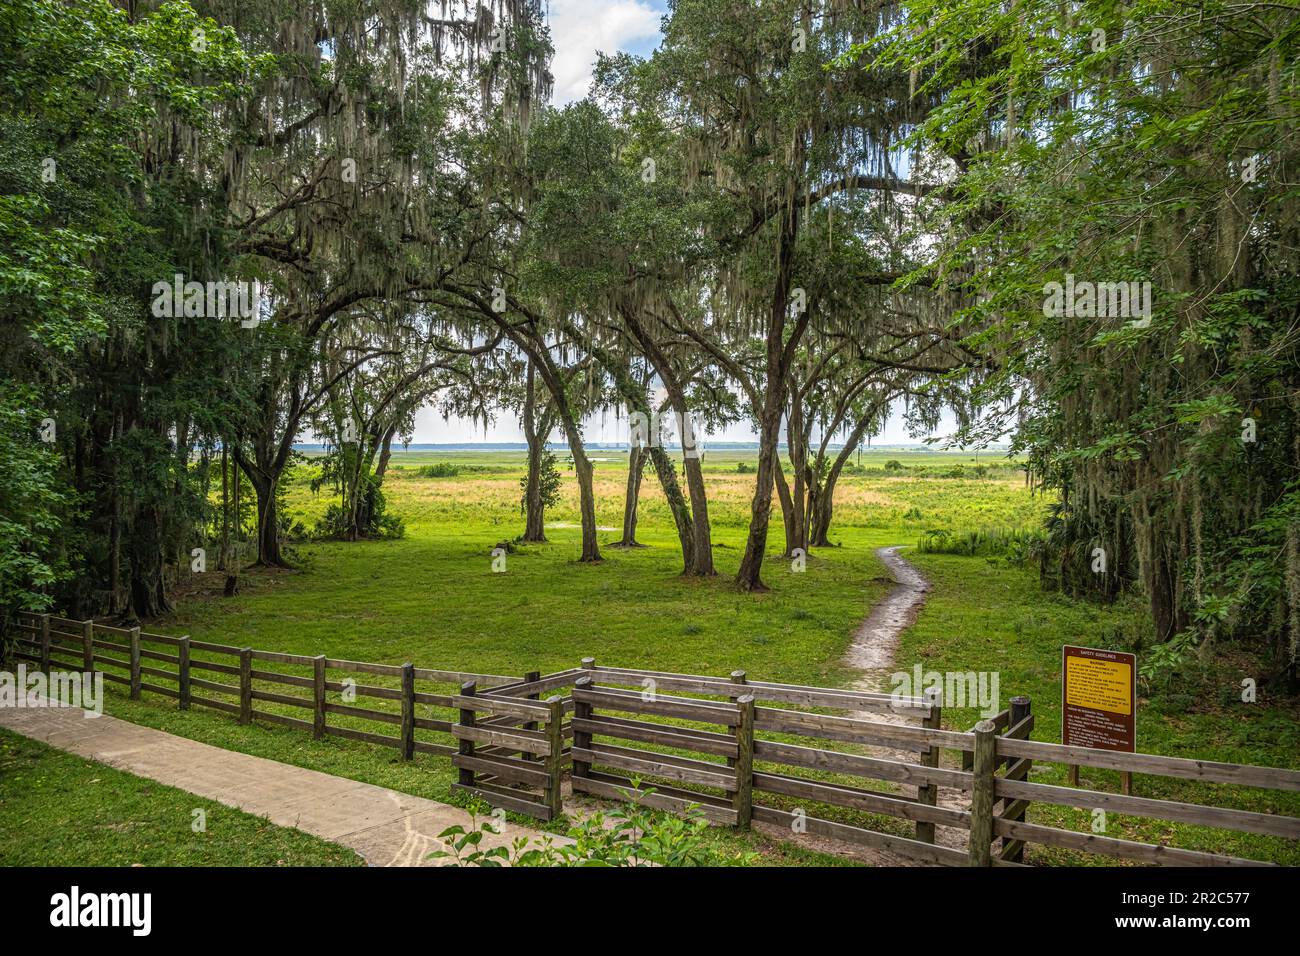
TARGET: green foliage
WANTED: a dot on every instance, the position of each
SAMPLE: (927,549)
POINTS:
(1143,142)
(1014,545)
(631,835)
(548,480)
(439,469)
(34,505)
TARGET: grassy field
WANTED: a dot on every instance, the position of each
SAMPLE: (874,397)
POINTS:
(431,598)
(57,809)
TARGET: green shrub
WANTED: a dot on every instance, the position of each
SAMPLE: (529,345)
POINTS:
(1015,545)
(631,835)
(548,480)
(439,469)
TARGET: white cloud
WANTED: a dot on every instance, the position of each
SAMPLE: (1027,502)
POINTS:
(579,28)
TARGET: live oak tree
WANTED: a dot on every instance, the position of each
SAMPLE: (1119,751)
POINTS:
(1151,142)
(768,136)
(342,194)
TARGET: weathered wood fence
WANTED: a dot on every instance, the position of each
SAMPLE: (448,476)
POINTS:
(737,749)
(413,710)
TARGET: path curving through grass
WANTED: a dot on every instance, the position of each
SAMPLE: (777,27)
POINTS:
(876,640)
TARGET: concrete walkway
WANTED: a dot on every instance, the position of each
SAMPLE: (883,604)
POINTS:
(387,828)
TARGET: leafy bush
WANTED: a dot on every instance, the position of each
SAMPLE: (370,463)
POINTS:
(1015,545)
(894,465)
(744,468)
(439,469)
(335,522)
(549,484)
(34,505)
(631,835)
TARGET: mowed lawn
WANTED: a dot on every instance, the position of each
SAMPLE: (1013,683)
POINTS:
(57,809)
(433,599)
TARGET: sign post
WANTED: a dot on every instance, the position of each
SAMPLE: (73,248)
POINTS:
(1099,702)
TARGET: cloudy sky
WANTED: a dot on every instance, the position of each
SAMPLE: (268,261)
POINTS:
(579,29)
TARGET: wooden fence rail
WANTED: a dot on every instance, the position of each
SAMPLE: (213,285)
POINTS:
(736,749)
(326,697)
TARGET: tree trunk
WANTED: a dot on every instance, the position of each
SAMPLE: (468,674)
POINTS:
(368,511)
(822,499)
(667,474)
(148,593)
(699,560)
(636,460)
(701,563)
(586,493)
(223,559)
(749,577)
(385,454)
(637,401)
(269,554)
(787,510)
(779,353)
(534,507)
(583,468)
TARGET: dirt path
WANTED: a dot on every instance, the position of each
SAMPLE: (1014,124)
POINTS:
(872,653)
(873,647)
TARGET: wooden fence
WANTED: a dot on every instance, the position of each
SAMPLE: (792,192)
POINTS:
(745,754)
(412,710)
(737,749)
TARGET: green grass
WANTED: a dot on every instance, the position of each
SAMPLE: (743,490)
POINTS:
(57,809)
(432,598)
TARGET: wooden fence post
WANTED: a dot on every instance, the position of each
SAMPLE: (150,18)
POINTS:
(743,802)
(738,678)
(466,747)
(979,851)
(408,711)
(531,724)
(318,697)
(581,738)
(1014,850)
(135,663)
(88,646)
(929,757)
(45,643)
(183,652)
(246,685)
(588,663)
(555,759)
